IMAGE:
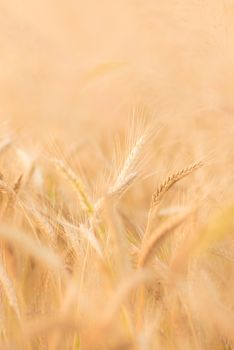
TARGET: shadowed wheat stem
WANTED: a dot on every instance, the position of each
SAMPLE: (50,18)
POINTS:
(9,290)
(18,184)
(149,246)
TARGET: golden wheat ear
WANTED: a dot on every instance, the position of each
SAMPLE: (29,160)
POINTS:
(163,188)
(77,183)
(170,181)
(129,162)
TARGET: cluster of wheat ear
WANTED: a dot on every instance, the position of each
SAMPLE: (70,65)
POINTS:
(118,264)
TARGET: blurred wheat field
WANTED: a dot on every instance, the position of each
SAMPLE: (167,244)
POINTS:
(116,175)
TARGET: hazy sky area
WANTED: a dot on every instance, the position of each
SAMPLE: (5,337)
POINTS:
(78,60)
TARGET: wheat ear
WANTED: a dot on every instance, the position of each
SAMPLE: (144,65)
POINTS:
(92,239)
(42,225)
(120,187)
(171,180)
(130,162)
(127,174)
(164,187)
(77,183)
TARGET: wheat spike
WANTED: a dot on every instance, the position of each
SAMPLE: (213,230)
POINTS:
(119,188)
(130,161)
(92,239)
(43,225)
(170,181)
(163,188)
(77,183)
(4,187)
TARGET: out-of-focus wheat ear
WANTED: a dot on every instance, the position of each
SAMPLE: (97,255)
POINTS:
(162,190)
(5,188)
(77,183)
(149,246)
(9,291)
(119,188)
(92,239)
(116,192)
(9,198)
(50,325)
(43,226)
(28,245)
(69,232)
(13,195)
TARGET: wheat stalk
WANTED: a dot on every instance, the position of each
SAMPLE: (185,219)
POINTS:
(151,244)
(18,184)
(9,290)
